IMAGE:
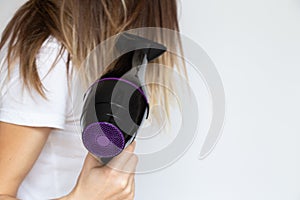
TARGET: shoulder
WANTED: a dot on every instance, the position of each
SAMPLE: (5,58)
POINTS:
(19,105)
(51,55)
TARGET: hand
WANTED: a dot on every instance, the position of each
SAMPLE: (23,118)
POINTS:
(100,182)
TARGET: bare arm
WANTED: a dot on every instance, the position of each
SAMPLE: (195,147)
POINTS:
(20,147)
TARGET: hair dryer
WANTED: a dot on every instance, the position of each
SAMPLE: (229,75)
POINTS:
(116,104)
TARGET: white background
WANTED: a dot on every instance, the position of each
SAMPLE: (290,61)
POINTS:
(256,48)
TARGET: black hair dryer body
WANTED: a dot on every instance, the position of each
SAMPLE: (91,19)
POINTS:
(116,104)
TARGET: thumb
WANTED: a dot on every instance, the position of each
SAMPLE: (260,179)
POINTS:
(91,162)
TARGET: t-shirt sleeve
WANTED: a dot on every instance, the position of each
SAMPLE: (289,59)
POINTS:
(20,106)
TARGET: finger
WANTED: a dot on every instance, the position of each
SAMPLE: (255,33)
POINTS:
(91,162)
(131,164)
(131,181)
(119,161)
(131,147)
(131,184)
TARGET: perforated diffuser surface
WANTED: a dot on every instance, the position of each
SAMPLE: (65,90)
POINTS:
(103,140)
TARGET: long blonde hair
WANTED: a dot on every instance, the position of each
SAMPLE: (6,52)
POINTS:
(80,26)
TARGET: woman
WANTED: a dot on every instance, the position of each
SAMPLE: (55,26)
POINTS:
(41,157)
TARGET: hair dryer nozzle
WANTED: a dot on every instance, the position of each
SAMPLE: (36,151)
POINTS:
(128,42)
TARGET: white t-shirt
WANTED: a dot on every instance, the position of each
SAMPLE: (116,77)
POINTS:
(58,166)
